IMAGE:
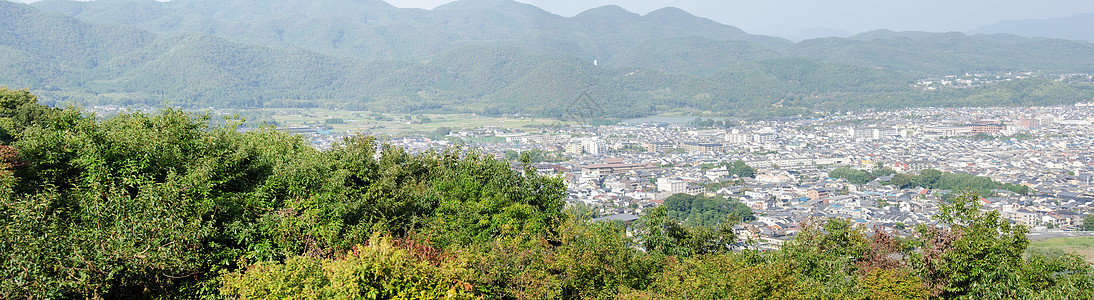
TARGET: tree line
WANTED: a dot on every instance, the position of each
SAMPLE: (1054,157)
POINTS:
(930,179)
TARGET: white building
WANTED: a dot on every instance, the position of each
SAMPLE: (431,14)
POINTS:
(673,186)
(736,137)
(573,148)
(593,146)
(764,138)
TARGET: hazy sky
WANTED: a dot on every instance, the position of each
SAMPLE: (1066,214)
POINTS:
(783,17)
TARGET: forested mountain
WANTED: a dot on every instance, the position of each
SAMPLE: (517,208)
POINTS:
(494,57)
(375,29)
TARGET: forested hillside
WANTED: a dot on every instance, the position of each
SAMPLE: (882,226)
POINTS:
(165,205)
(375,29)
(496,57)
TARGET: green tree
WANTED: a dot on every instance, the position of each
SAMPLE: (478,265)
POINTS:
(166,205)
(132,198)
(851,175)
(661,235)
(745,275)
(929,178)
(382,269)
(1088,223)
(512,155)
(893,284)
(902,181)
(19,109)
(584,252)
(698,210)
(741,169)
(479,198)
(139,205)
(985,258)
(827,251)
(980,256)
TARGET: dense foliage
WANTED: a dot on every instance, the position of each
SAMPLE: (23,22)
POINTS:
(711,123)
(929,178)
(857,176)
(1088,223)
(699,210)
(148,204)
(166,205)
(935,179)
(741,169)
(978,256)
(535,156)
(737,167)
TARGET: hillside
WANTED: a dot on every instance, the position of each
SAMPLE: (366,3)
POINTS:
(495,57)
(375,29)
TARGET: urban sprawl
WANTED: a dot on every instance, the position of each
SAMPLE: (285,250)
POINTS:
(620,171)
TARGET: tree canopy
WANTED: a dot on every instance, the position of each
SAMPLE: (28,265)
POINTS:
(859,176)
(935,179)
(699,210)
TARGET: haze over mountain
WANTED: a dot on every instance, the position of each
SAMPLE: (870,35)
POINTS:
(789,17)
(815,33)
(494,57)
(1073,27)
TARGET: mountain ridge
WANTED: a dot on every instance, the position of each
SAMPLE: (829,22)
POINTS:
(642,66)
(446,25)
(1073,27)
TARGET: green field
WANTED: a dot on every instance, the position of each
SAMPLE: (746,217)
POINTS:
(1082,246)
(350,122)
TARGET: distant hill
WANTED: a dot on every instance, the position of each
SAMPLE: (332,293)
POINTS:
(949,53)
(1074,27)
(816,33)
(615,37)
(494,57)
(375,29)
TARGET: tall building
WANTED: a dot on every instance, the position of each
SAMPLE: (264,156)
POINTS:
(1028,123)
(873,133)
(592,146)
(736,137)
(674,186)
(658,147)
(764,138)
(573,148)
(702,147)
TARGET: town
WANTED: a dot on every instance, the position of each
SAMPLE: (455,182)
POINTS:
(619,171)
